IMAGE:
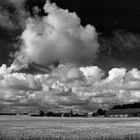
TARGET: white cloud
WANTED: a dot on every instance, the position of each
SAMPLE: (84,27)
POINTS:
(58,37)
(68,86)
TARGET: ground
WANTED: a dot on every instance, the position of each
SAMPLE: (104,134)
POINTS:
(44,128)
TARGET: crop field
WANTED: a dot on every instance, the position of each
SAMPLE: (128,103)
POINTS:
(43,128)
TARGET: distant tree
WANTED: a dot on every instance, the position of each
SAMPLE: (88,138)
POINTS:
(66,114)
(93,114)
(135,115)
(71,113)
(85,115)
(101,112)
(41,113)
(50,114)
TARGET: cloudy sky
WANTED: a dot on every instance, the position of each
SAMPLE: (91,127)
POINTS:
(63,55)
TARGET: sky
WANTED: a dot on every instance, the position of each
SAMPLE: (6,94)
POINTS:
(68,55)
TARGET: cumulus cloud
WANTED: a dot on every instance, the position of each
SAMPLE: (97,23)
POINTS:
(58,37)
(67,86)
(75,83)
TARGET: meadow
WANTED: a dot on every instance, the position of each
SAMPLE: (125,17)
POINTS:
(44,128)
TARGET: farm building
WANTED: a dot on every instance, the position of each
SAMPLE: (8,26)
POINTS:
(135,112)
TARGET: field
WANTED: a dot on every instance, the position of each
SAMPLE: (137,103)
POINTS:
(36,128)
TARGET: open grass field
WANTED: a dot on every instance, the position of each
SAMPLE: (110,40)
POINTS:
(36,128)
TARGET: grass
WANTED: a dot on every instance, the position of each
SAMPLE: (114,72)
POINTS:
(28,128)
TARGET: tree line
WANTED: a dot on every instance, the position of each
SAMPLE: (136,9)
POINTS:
(41,113)
(127,106)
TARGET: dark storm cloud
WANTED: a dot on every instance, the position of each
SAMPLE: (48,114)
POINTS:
(10,28)
(13,16)
(120,49)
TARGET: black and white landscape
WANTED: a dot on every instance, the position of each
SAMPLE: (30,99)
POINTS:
(70,59)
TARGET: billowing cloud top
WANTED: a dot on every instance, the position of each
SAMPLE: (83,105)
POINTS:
(58,37)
